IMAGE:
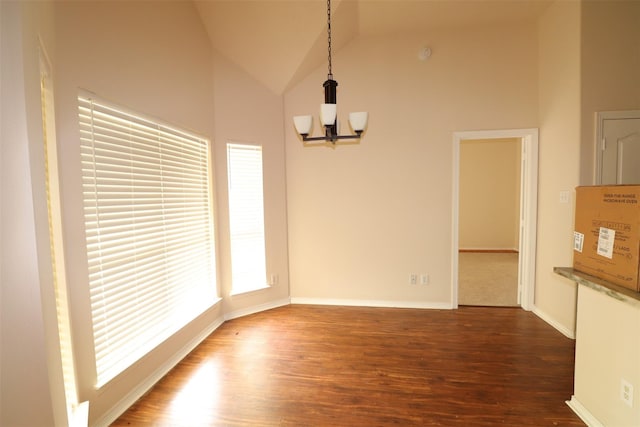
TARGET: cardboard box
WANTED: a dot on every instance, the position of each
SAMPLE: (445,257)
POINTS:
(607,233)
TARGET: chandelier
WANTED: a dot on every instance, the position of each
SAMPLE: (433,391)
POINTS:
(328,110)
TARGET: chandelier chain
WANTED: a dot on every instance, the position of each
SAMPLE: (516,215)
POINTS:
(330,75)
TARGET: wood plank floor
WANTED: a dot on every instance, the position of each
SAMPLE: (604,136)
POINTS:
(352,366)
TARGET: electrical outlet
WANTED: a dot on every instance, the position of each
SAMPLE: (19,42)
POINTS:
(413,279)
(626,392)
(424,279)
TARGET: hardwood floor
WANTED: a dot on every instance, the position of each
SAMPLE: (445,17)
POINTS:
(352,366)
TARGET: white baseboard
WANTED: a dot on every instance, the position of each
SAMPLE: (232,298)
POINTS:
(256,309)
(551,321)
(583,413)
(144,386)
(372,303)
(497,250)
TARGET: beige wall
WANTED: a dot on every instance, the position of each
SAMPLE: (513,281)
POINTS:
(158,62)
(30,383)
(559,115)
(359,218)
(363,217)
(589,61)
(607,345)
(154,59)
(610,66)
(247,112)
(489,194)
(607,351)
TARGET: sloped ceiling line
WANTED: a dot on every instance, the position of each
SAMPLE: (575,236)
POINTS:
(279,42)
(276,42)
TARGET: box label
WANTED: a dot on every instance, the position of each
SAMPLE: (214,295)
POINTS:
(628,198)
(578,241)
(606,239)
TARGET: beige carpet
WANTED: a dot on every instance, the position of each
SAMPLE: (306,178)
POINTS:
(488,279)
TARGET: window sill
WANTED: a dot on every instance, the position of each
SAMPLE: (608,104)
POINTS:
(249,291)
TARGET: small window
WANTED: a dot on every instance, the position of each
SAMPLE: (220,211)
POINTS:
(246,218)
(149,231)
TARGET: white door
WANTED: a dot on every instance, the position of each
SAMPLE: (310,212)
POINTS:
(619,151)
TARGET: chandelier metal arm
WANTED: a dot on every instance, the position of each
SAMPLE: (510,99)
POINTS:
(332,139)
(329,119)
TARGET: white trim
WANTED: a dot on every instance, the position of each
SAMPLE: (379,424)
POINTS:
(584,414)
(256,309)
(144,386)
(599,124)
(248,291)
(371,303)
(79,416)
(551,321)
(529,208)
(489,249)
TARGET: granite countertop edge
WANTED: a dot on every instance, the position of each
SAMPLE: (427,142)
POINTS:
(614,291)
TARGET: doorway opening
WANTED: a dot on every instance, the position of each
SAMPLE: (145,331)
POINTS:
(489,222)
(525,223)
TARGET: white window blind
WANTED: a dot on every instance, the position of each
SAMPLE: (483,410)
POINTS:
(149,231)
(246,217)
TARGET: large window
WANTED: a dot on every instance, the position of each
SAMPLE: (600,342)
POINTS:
(246,218)
(149,231)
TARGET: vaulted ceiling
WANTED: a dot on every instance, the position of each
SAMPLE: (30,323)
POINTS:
(279,42)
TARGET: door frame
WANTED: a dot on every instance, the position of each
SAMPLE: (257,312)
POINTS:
(528,209)
(601,116)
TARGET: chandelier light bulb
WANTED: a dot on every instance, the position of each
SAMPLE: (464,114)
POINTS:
(358,121)
(303,124)
(328,113)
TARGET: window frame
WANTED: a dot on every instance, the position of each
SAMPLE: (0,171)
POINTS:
(211,296)
(260,284)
